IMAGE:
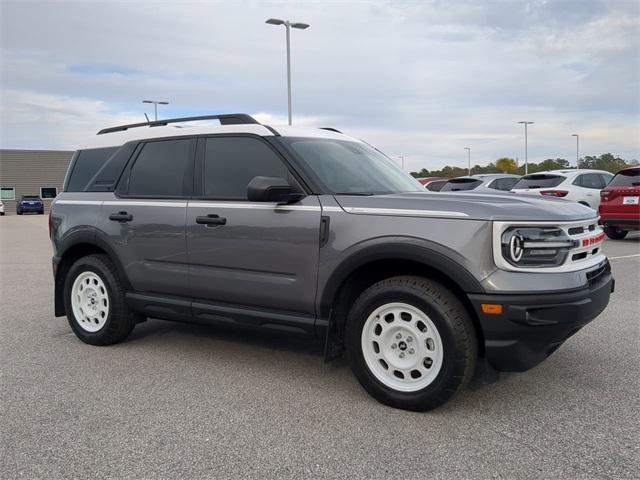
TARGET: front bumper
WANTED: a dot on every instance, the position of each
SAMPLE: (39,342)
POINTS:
(532,326)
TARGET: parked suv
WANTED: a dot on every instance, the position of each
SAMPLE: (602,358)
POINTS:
(30,203)
(580,186)
(482,183)
(311,232)
(620,204)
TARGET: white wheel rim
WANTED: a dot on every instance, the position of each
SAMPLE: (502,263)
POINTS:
(402,347)
(90,301)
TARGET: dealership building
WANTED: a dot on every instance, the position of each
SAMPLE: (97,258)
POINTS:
(31,172)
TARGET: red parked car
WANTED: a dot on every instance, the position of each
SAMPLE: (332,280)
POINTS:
(620,204)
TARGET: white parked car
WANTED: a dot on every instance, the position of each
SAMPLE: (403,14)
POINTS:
(482,183)
(1,208)
(582,186)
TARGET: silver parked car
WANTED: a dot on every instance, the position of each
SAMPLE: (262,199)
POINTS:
(483,183)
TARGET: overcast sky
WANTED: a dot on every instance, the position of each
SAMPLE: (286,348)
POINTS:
(420,79)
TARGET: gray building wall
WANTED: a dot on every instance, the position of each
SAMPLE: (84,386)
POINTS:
(29,170)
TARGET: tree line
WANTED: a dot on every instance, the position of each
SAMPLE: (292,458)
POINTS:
(606,161)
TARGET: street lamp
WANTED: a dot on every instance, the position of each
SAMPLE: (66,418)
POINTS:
(577,149)
(468,149)
(288,26)
(526,154)
(155,105)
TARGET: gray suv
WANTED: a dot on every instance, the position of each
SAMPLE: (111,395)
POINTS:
(311,232)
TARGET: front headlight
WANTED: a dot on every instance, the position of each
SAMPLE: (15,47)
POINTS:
(536,246)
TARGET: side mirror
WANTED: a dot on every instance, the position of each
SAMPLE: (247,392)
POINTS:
(272,189)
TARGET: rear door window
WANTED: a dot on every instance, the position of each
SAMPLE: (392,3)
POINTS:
(163,169)
(460,184)
(628,178)
(86,165)
(539,181)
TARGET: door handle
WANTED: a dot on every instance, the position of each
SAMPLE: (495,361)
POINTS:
(121,217)
(211,219)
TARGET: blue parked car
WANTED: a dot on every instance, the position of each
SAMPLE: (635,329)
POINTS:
(30,203)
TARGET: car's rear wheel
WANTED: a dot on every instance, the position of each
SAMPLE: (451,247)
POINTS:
(411,343)
(95,302)
(615,233)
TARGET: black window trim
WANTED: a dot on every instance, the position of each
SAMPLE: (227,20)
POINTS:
(122,188)
(199,177)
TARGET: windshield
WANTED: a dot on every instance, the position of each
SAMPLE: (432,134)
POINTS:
(539,181)
(351,168)
(626,178)
(460,184)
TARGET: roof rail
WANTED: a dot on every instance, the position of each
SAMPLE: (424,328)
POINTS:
(225,119)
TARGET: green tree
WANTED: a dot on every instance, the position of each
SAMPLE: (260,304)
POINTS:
(506,165)
(606,161)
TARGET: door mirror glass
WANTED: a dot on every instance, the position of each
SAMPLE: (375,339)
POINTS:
(272,189)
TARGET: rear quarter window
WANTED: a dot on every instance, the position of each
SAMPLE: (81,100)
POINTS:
(539,181)
(85,166)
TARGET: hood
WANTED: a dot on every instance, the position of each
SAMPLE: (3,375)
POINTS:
(468,206)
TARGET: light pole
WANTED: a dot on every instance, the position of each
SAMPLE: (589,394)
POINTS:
(526,154)
(155,105)
(577,149)
(401,157)
(468,149)
(288,26)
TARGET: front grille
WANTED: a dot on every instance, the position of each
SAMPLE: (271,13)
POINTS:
(580,232)
(582,229)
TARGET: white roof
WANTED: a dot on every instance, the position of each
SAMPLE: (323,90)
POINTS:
(572,171)
(115,139)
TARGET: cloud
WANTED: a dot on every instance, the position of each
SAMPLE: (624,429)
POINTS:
(419,79)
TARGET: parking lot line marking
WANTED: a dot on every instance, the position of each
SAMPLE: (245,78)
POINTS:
(625,256)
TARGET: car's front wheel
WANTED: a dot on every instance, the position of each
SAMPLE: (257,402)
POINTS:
(95,302)
(411,343)
(615,233)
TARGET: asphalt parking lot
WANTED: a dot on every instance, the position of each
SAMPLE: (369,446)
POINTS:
(198,402)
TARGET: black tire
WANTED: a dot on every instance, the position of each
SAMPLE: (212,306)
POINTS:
(41,212)
(615,233)
(120,321)
(18,212)
(448,314)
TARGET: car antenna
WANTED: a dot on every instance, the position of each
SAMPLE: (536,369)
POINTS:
(145,116)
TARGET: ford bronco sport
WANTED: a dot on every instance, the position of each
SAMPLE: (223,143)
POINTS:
(311,232)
